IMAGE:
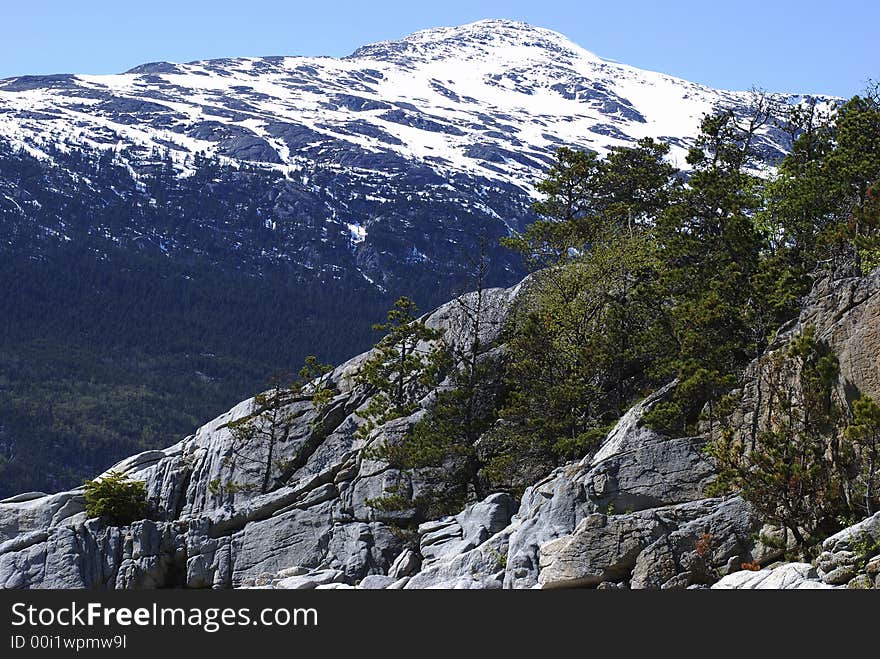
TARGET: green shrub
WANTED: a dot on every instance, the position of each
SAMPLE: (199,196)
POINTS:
(116,498)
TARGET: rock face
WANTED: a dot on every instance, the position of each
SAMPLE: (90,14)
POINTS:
(631,515)
(316,519)
(845,315)
(600,549)
(790,576)
(844,557)
(643,484)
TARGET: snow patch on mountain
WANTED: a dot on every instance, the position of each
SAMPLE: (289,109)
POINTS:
(492,99)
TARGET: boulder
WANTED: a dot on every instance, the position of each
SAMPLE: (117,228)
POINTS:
(406,564)
(860,582)
(712,538)
(849,551)
(836,568)
(788,576)
(297,537)
(601,548)
(478,568)
(310,580)
(657,472)
(24,514)
(864,533)
(376,582)
(451,536)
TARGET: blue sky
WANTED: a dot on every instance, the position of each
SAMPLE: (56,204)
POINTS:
(806,46)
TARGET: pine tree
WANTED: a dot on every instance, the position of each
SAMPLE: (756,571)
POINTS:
(793,471)
(582,194)
(116,498)
(855,169)
(567,212)
(257,436)
(404,366)
(463,408)
(864,435)
(709,249)
(589,323)
(821,205)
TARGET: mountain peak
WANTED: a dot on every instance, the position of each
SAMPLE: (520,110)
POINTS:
(485,37)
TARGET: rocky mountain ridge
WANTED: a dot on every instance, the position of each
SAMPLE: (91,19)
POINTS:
(631,515)
(467,99)
(394,154)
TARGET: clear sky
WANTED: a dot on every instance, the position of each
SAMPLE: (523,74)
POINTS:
(794,46)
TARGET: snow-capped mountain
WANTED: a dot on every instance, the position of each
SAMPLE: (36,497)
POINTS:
(386,159)
(171,235)
(491,99)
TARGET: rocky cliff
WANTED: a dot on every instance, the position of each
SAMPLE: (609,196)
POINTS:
(632,515)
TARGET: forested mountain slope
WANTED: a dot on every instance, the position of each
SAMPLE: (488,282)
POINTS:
(171,236)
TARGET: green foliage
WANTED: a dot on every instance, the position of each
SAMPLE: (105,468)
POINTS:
(405,364)
(392,500)
(583,195)
(864,435)
(865,547)
(257,436)
(500,559)
(215,487)
(818,211)
(792,471)
(867,242)
(709,249)
(587,328)
(639,278)
(117,498)
(568,210)
(572,448)
(135,351)
(444,440)
(822,205)
(228,489)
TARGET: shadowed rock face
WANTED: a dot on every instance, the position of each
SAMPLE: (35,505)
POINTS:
(631,515)
(845,314)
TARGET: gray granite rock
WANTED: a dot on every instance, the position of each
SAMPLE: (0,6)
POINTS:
(717,539)
(471,527)
(601,548)
(788,576)
(376,582)
(478,568)
(310,580)
(407,563)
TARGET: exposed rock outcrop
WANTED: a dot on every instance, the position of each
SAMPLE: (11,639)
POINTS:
(845,316)
(315,518)
(631,515)
(789,576)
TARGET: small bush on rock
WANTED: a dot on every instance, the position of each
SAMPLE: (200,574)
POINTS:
(116,498)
